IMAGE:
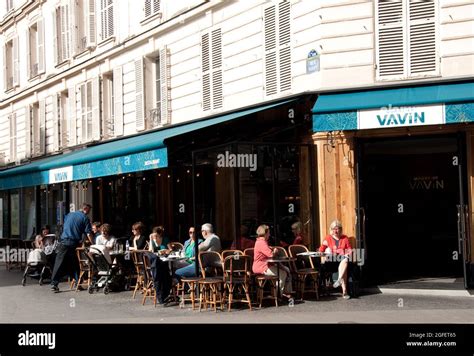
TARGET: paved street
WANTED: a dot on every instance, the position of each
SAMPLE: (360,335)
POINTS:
(34,303)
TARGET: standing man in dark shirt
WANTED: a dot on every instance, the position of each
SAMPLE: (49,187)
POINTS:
(75,225)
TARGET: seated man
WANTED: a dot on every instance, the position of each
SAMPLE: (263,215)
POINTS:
(211,243)
(337,248)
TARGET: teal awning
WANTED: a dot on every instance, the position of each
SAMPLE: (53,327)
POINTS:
(333,112)
(132,154)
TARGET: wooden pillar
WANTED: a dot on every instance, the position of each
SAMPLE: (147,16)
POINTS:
(305,185)
(336,182)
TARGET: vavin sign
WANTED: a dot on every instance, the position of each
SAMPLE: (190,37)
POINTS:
(389,117)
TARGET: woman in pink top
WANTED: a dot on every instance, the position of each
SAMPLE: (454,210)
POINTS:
(262,252)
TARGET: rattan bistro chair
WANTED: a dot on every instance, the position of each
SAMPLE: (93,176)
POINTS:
(226,253)
(212,282)
(85,268)
(259,282)
(303,268)
(237,278)
(139,276)
(149,289)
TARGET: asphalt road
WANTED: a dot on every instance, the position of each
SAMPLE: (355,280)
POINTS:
(37,304)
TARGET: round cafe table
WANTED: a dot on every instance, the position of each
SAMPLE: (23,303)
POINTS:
(278,261)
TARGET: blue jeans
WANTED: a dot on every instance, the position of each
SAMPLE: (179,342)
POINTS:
(188,271)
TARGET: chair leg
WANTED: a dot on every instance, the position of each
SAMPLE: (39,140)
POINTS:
(231,294)
(247,295)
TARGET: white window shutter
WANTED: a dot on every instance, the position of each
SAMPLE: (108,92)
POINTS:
(96,121)
(76,18)
(284,41)
(206,72)
(82,104)
(148,8)
(28,53)
(217,95)
(390,39)
(139,95)
(110,19)
(16,62)
(13,132)
(42,127)
(91,24)
(165,75)
(5,68)
(34,113)
(56,123)
(103,19)
(27,131)
(422,38)
(40,44)
(270,45)
(118,102)
(56,36)
(72,115)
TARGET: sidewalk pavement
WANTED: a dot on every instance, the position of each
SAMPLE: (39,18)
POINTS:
(37,304)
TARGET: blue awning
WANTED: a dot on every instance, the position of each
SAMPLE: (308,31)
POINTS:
(333,112)
(132,154)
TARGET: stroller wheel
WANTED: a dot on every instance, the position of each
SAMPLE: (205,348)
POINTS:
(106,290)
(90,289)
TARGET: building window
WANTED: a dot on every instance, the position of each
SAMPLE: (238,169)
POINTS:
(106,19)
(9,5)
(35,129)
(108,105)
(13,141)
(11,64)
(85,27)
(60,107)
(62,34)
(88,118)
(35,45)
(277,47)
(158,90)
(406,40)
(152,7)
(211,55)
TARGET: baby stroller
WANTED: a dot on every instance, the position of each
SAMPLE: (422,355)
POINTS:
(41,260)
(109,275)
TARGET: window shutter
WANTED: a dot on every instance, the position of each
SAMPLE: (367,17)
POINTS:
(96,122)
(40,44)
(42,127)
(110,19)
(27,131)
(284,32)
(216,69)
(103,20)
(206,73)
(16,63)
(139,95)
(71,122)
(62,117)
(270,33)
(56,124)
(5,66)
(148,8)
(390,43)
(91,36)
(156,6)
(118,102)
(77,26)
(64,24)
(422,32)
(56,37)
(165,87)
(34,114)
(13,132)
(84,112)
(28,54)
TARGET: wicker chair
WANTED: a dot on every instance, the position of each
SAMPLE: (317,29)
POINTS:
(211,284)
(226,253)
(303,268)
(237,278)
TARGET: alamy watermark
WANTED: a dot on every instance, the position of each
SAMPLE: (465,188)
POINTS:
(8,254)
(237,160)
